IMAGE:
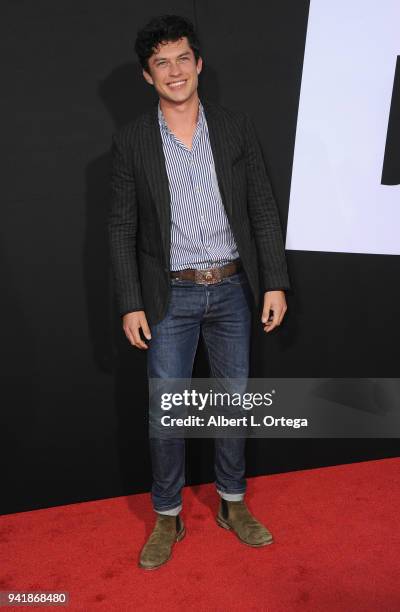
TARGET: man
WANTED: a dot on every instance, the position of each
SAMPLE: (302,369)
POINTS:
(195,237)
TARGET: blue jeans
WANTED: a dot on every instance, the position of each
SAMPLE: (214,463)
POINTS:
(222,311)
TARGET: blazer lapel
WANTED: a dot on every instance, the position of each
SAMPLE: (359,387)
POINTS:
(221,153)
(156,172)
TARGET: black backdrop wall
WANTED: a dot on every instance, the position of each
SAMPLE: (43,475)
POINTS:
(74,391)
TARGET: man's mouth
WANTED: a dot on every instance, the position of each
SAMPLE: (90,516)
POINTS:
(176,84)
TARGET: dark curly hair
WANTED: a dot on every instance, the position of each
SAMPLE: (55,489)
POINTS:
(164,28)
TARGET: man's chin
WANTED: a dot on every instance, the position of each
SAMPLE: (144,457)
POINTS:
(177,98)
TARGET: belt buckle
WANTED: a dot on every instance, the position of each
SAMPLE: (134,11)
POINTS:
(208,276)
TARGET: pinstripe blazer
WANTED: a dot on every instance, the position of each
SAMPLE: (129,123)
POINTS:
(139,214)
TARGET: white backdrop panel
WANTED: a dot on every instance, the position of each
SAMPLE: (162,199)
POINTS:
(337,202)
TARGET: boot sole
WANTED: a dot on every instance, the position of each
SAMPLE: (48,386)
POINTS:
(178,538)
(225,525)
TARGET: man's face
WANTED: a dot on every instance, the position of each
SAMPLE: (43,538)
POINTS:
(173,71)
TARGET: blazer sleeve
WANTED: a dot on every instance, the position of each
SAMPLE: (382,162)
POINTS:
(122,227)
(264,216)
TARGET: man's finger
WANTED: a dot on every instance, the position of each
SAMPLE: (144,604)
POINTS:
(267,314)
(129,335)
(283,312)
(146,329)
(275,320)
(138,342)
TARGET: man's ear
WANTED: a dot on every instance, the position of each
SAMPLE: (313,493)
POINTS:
(199,65)
(147,76)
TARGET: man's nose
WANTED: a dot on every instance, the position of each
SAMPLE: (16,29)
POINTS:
(174,68)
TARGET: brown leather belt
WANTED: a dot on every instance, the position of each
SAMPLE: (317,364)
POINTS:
(208,276)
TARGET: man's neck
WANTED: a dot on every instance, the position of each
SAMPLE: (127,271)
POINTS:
(182,115)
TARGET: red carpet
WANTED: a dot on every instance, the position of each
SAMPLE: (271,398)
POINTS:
(337,548)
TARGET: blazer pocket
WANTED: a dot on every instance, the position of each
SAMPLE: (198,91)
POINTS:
(237,160)
(145,254)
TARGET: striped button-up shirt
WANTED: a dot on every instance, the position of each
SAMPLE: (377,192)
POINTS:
(200,233)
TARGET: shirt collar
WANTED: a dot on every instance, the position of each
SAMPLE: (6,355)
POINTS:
(163,123)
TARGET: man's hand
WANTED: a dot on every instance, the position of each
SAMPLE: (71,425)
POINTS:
(274,301)
(131,323)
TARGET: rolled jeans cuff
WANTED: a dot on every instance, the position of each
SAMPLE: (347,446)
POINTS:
(231,496)
(171,512)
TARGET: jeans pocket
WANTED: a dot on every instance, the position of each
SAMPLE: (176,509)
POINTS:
(237,279)
(179,282)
